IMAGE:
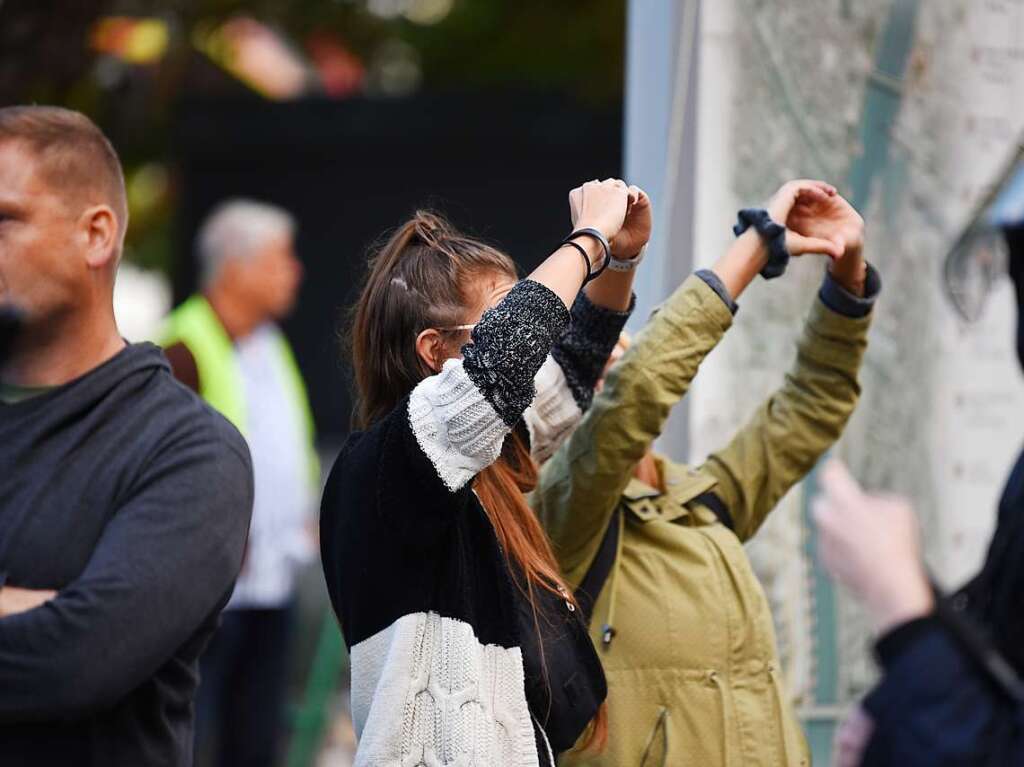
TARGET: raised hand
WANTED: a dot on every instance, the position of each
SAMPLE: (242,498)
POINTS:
(827,216)
(832,218)
(801,237)
(636,230)
(852,738)
(871,544)
(601,205)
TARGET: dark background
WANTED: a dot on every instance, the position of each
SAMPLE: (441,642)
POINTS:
(504,106)
(499,165)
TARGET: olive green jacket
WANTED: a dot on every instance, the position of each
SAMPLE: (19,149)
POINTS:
(692,671)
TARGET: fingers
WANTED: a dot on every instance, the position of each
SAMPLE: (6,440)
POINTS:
(602,205)
(852,738)
(839,484)
(811,186)
(575,204)
(639,198)
(811,194)
(799,245)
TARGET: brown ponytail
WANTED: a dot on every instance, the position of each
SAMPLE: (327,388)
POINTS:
(424,276)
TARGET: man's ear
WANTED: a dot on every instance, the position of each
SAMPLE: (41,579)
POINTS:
(430,349)
(101,231)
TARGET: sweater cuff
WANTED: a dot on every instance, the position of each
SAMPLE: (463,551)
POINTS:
(582,351)
(891,645)
(715,283)
(510,343)
(841,301)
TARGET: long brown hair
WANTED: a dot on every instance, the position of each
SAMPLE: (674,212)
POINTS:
(425,275)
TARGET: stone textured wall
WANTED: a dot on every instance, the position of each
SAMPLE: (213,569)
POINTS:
(781,95)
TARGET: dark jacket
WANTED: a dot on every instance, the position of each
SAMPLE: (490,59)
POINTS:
(951,693)
(445,654)
(130,497)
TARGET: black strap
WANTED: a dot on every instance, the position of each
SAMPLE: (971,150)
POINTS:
(716,505)
(980,648)
(590,587)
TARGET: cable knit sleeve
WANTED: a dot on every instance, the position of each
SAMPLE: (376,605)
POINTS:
(460,417)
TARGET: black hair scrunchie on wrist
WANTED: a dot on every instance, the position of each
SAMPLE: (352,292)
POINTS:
(772,233)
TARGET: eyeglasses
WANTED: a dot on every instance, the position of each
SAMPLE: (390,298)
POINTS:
(446,328)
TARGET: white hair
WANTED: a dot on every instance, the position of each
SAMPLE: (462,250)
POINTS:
(238,228)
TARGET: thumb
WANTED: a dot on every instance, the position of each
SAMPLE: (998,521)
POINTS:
(839,485)
(575,203)
(799,245)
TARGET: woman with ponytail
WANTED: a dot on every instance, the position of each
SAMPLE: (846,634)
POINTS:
(466,646)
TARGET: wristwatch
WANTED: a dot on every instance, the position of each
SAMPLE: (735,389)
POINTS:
(627,264)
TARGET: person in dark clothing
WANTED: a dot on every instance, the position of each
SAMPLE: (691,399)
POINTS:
(951,691)
(124,499)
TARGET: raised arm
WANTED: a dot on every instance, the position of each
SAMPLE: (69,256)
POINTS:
(582,484)
(453,424)
(565,384)
(787,435)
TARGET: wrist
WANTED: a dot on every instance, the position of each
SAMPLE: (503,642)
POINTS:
(901,600)
(850,271)
(594,251)
(594,242)
(621,254)
(751,248)
(597,225)
(773,235)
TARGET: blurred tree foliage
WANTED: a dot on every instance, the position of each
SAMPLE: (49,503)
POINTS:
(572,47)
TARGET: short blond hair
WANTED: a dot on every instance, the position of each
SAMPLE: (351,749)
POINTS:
(74,155)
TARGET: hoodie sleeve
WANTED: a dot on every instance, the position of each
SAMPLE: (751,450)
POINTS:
(165,562)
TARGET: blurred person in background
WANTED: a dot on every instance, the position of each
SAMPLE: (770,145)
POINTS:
(655,548)
(951,691)
(466,645)
(124,499)
(224,344)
